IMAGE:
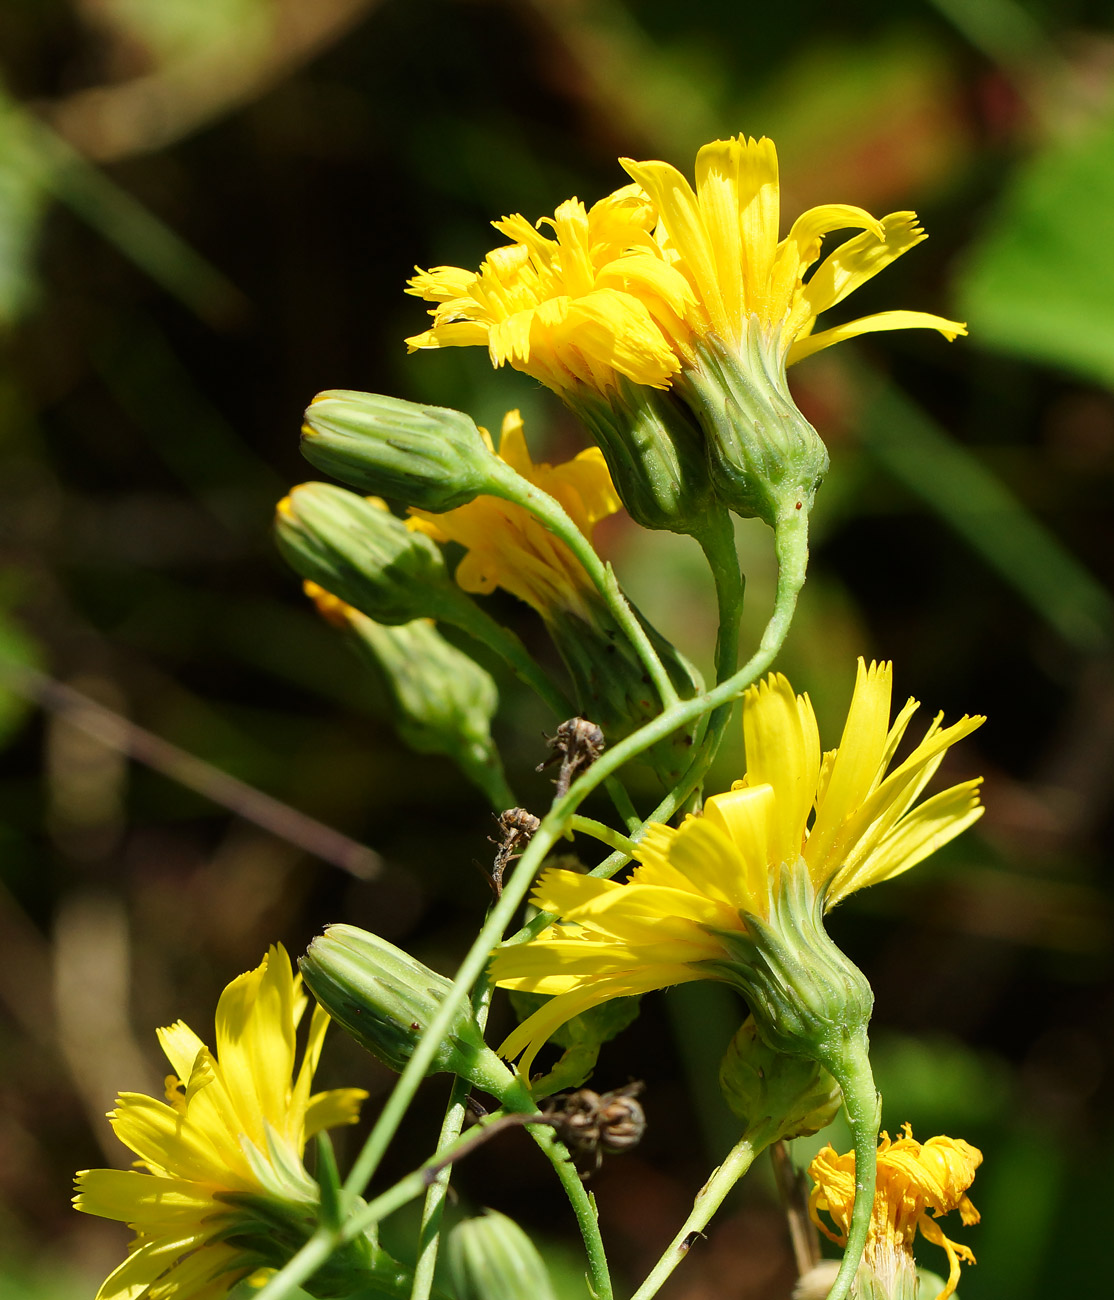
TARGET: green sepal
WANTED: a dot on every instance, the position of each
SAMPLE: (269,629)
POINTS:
(269,1232)
(806,996)
(655,453)
(328,1182)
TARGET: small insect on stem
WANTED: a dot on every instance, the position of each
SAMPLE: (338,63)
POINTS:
(576,745)
(516,827)
(592,1123)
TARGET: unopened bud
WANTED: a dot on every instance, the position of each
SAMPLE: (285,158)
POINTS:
(442,700)
(353,547)
(430,457)
(792,1094)
(386,1000)
(491,1258)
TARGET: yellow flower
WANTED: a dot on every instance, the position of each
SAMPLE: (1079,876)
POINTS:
(913,1179)
(547,306)
(660,286)
(723,241)
(234,1123)
(630,286)
(508,547)
(804,826)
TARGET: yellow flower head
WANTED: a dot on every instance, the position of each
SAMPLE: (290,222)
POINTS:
(913,1179)
(834,823)
(722,240)
(551,306)
(507,547)
(233,1121)
(630,286)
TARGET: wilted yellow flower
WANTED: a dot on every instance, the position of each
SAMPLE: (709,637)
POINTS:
(798,834)
(234,1125)
(508,547)
(913,1179)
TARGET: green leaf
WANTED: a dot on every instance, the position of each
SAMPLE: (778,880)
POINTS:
(1040,280)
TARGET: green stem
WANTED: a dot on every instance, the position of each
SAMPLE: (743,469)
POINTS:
(849,1064)
(708,1200)
(429,1237)
(791,543)
(791,546)
(623,804)
(604,834)
(511,486)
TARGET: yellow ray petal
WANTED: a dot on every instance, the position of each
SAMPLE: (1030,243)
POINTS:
(884,320)
(926,829)
(783,751)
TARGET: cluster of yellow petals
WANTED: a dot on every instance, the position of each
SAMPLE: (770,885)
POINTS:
(915,1181)
(508,547)
(851,819)
(233,1121)
(630,286)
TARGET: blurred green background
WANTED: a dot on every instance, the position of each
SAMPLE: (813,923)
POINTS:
(208,209)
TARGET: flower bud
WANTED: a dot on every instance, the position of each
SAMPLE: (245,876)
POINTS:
(353,547)
(442,700)
(386,1000)
(791,1094)
(430,457)
(491,1258)
(765,457)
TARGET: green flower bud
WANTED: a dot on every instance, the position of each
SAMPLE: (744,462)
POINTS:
(768,1089)
(655,453)
(355,548)
(442,700)
(765,457)
(491,1258)
(430,457)
(386,999)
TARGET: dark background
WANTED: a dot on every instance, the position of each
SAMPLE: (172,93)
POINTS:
(208,210)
